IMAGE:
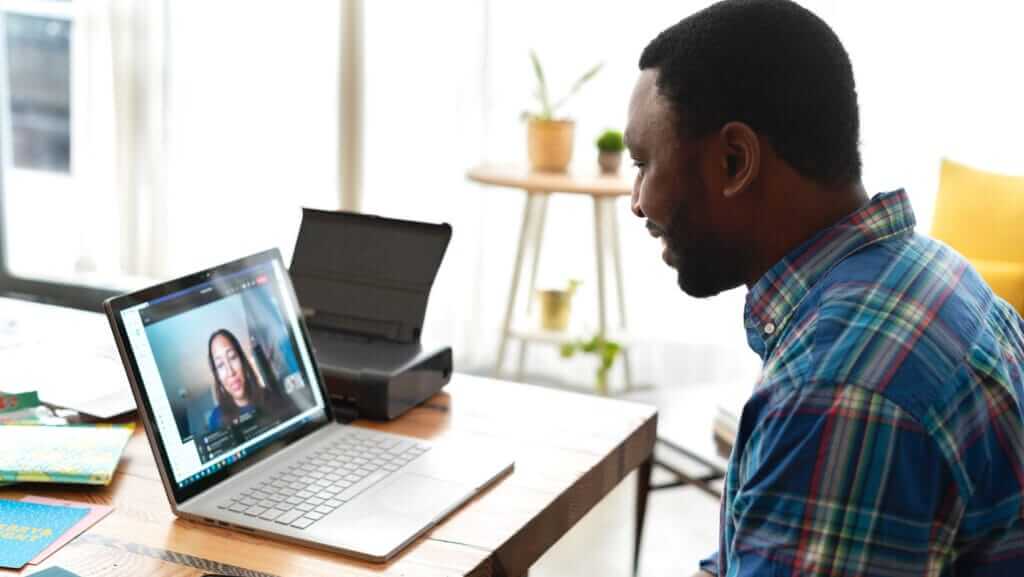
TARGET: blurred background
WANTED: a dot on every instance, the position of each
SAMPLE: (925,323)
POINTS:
(148,139)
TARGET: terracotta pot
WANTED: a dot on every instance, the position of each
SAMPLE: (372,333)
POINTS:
(609,161)
(549,144)
(555,306)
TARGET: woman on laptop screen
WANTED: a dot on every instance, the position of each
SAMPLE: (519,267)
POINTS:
(236,390)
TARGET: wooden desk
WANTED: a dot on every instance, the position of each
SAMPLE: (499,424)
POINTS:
(570,450)
(539,186)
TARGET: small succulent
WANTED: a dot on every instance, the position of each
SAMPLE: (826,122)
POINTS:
(611,141)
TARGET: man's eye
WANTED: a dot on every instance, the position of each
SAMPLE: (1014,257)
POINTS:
(639,164)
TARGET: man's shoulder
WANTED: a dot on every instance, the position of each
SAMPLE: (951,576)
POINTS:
(900,317)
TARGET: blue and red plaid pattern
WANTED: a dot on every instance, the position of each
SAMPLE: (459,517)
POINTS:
(885,436)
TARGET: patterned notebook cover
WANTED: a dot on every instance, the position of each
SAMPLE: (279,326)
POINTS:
(28,528)
(96,512)
(86,454)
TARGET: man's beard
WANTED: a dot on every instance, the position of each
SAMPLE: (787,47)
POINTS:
(706,266)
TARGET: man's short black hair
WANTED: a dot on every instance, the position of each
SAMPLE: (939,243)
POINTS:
(772,65)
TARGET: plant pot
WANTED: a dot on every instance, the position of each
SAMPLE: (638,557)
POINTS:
(610,162)
(555,307)
(549,144)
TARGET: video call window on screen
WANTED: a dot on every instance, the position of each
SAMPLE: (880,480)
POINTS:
(228,361)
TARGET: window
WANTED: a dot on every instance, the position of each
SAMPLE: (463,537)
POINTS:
(43,70)
(139,144)
(38,70)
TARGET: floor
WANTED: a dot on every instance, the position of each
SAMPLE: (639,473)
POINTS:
(681,528)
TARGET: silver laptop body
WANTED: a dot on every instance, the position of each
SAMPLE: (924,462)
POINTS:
(236,412)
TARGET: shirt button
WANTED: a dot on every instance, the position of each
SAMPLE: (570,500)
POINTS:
(769,328)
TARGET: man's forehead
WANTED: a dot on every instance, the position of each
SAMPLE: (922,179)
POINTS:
(646,107)
(644,92)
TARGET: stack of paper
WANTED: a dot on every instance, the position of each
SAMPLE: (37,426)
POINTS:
(28,339)
(86,454)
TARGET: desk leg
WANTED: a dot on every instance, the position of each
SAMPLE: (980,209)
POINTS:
(517,272)
(643,490)
(613,221)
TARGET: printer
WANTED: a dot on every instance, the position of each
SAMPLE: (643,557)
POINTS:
(363,282)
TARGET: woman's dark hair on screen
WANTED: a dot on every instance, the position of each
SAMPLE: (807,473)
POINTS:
(253,390)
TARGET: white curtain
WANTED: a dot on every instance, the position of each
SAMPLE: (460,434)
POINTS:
(138,55)
(252,117)
(207,126)
(934,80)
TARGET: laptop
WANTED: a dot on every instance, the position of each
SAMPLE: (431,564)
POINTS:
(238,417)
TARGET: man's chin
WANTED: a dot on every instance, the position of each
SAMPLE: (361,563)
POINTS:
(698,284)
(696,290)
(694,281)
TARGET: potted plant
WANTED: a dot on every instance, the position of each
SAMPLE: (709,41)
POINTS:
(605,349)
(549,137)
(555,306)
(609,155)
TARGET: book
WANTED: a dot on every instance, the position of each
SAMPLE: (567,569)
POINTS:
(96,512)
(18,402)
(726,422)
(83,454)
(26,529)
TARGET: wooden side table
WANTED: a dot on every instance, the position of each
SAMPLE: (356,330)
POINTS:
(539,186)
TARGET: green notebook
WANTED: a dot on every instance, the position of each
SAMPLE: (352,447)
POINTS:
(84,454)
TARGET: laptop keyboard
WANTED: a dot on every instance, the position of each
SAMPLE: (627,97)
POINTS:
(313,488)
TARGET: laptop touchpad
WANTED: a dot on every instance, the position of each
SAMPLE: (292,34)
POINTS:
(378,522)
(415,495)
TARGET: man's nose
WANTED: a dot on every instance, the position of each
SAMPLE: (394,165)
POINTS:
(634,204)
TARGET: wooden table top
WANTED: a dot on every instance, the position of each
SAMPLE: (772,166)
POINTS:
(570,450)
(547,182)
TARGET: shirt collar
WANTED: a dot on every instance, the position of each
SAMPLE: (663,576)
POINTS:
(773,299)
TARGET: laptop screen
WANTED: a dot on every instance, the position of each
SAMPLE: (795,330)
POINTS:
(225,367)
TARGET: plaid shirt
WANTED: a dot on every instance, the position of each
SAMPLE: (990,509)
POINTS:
(884,436)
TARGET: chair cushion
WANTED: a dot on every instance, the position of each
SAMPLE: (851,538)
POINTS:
(1005,278)
(980,213)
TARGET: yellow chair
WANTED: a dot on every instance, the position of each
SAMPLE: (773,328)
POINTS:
(981,215)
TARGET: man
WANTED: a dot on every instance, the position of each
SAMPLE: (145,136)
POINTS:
(884,436)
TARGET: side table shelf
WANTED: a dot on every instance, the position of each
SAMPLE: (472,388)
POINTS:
(603,191)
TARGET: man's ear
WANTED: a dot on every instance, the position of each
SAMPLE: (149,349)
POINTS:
(742,157)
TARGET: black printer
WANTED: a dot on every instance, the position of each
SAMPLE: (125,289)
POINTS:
(363,282)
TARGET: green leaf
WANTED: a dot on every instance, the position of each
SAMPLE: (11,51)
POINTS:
(590,346)
(546,111)
(587,76)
